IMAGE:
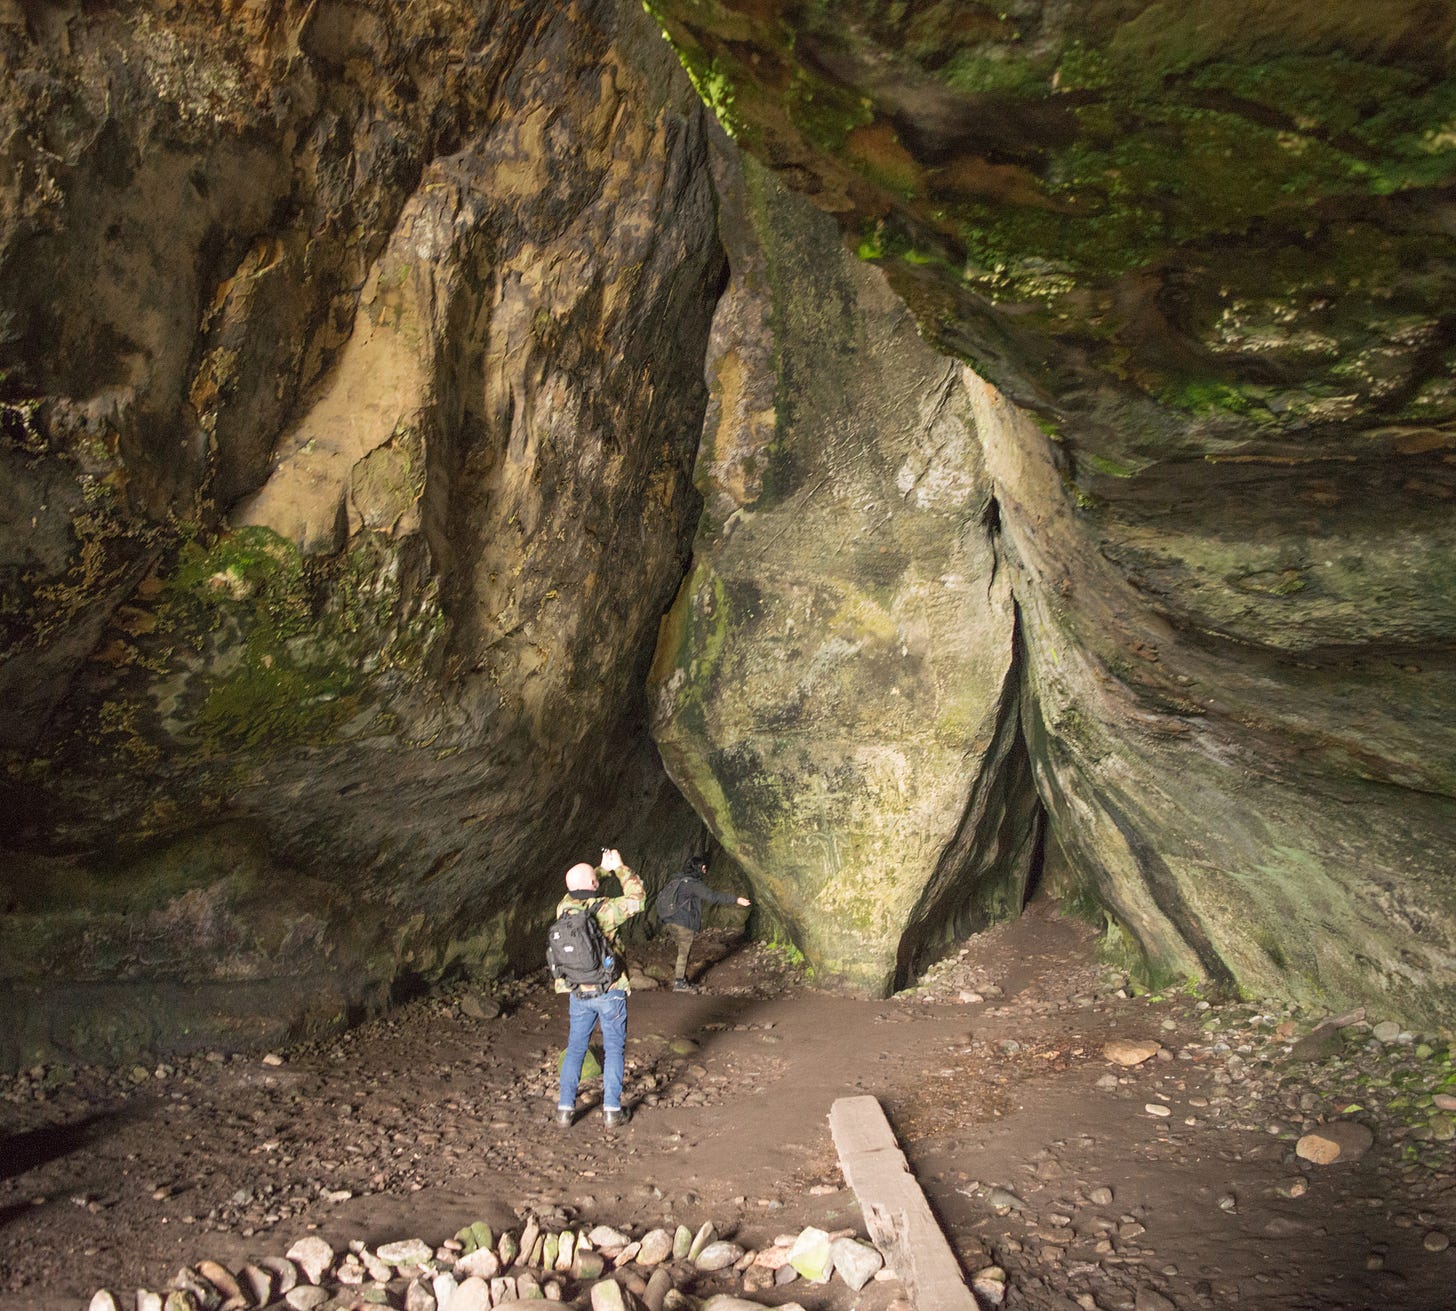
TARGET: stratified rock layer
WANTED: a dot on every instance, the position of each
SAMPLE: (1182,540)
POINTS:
(351,375)
(1207,247)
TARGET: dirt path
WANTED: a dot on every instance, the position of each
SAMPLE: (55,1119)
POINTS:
(1038,1153)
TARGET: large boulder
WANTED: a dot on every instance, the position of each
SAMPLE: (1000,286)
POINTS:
(835,685)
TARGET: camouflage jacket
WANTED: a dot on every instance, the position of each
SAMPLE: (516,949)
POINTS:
(612,913)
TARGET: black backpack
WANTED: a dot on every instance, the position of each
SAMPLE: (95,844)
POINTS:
(670,901)
(576,949)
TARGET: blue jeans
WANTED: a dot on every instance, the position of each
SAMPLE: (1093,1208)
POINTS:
(610,1010)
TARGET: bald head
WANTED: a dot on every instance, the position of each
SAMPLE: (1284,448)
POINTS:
(581,878)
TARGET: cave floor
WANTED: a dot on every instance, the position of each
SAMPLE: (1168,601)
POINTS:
(1038,1154)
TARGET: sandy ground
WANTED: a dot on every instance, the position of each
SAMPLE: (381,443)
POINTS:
(1038,1154)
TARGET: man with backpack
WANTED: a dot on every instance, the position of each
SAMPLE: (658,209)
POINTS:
(582,955)
(680,906)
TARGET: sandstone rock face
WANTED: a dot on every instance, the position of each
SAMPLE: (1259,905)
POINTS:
(1206,299)
(834,686)
(350,375)
(351,384)
(1205,787)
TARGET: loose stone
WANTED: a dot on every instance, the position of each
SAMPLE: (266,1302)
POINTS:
(656,1247)
(757,1279)
(606,1295)
(408,1251)
(1002,1200)
(1340,1140)
(989,1285)
(1158,1109)
(444,1286)
(854,1262)
(1436,1241)
(658,1287)
(718,1256)
(606,1239)
(472,1295)
(313,1257)
(283,1270)
(220,1279)
(1130,1052)
(811,1255)
(587,1265)
(258,1283)
(351,1271)
(705,1235)
(306,1297)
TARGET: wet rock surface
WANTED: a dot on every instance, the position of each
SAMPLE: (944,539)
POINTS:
(1053,1183)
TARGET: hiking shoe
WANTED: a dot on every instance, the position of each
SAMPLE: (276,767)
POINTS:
(612,1118)
(564,1117)
(682,985)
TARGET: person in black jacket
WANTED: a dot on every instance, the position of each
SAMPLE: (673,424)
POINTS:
(680,907)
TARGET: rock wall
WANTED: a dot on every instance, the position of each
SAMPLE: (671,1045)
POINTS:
(1203,255)
(350,377)
(835,685)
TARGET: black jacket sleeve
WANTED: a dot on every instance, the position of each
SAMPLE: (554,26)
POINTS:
(717,898)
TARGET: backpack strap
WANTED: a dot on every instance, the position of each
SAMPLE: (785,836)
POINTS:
(611,948)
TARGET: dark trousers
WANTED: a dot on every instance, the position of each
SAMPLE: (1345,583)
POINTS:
(684,939)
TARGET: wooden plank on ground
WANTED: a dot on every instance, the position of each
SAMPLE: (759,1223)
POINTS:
(898,1217)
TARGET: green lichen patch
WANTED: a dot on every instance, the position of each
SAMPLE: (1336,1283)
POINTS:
(824,113)
(261,702)
(253,566)
(272,649)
